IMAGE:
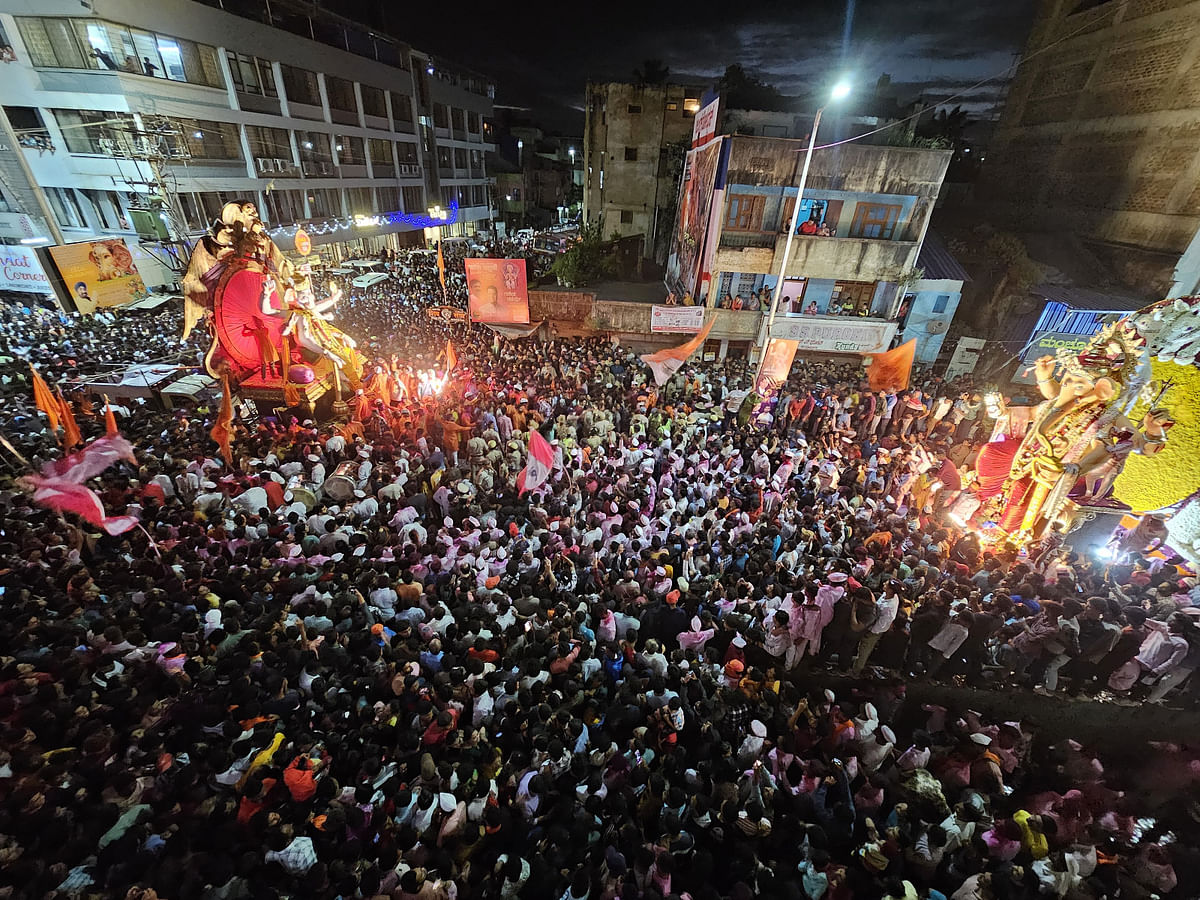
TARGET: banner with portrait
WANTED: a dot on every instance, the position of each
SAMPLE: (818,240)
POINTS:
(98,274)
(776,364)
(497,291)
(691,219)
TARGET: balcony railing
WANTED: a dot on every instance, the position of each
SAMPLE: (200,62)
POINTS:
(739,239)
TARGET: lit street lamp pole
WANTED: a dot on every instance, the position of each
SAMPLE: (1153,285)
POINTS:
(840,91)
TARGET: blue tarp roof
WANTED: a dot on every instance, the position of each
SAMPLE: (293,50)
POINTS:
(1082,298)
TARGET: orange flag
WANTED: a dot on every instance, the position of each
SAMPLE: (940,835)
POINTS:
(222,430)
(666,363)
(451,357)
(44,399)
(890,371)
(110,421)
(441,263)
(71,435)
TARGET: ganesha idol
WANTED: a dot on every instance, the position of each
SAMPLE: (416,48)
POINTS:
(1079,437)
(262,313)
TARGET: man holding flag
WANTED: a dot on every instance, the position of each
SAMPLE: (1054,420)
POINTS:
(539,464)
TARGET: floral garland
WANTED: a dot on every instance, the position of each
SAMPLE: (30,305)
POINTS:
(1153,482)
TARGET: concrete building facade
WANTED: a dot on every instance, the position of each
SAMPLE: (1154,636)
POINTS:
(869,206)
(631,135)
(320,121)
(1100,136)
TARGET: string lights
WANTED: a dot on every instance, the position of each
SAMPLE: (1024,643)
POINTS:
(330,226)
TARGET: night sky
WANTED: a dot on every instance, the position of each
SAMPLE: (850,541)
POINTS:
(541,54)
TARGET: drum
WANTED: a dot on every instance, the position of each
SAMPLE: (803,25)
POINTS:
(340,486)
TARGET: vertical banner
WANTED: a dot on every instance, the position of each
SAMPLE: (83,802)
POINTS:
(98,274)
(704,126)
(497,291)
(691,219)
(776,364)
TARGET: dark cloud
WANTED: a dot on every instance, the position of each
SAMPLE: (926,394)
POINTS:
(541,54)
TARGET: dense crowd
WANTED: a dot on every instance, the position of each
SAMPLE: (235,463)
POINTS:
(636,681)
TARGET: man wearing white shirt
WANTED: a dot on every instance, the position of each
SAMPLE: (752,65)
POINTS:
(887,606)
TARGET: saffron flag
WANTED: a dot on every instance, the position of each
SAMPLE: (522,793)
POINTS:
(44,399)
(666,363)
(110,420)
(441,263)
(451,358)
(776,364)
(538,466)
(222,430)
(71,435)
(891,370)
(61,487)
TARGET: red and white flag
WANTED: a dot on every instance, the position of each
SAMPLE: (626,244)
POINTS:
(538,466)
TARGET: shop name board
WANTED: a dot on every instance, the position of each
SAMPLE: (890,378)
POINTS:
(829,334)
(20,271)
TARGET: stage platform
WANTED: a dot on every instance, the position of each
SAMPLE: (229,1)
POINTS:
(269,391)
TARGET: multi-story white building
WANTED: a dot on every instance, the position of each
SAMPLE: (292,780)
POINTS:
(319,120)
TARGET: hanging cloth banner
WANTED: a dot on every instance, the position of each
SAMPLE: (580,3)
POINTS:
(515,331)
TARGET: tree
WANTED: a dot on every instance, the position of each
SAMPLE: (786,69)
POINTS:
(948,125)
(740,90)
(651,71)
(588,260)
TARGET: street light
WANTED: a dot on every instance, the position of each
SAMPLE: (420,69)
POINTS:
(840,91)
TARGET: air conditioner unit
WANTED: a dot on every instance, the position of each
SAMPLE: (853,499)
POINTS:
(283,165)
(263,164)
(936,326)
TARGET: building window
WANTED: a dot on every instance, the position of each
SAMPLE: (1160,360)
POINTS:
(441,116)
(373,101)
(350,150)
(389,199)
(341,94)
(852,298)
(300,85)
(324,202)
(626,217)
(631,154)
(284,207)
(940,304)
(875,220)
(407,152)
(381,155)
(95,44)
(671,107)
(414,198)
(402,108)
(460,158)
(252,75)
(66,207)
(99,133)
(271,149)
(316,157)
(634,109)
(745,212)
(361,201)
(210,140)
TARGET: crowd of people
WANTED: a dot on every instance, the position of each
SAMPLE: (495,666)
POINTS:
(677,669)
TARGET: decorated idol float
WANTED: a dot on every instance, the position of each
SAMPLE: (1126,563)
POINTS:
(271,335)
(1098,442)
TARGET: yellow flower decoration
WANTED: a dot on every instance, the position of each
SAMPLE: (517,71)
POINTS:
(1152,482)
